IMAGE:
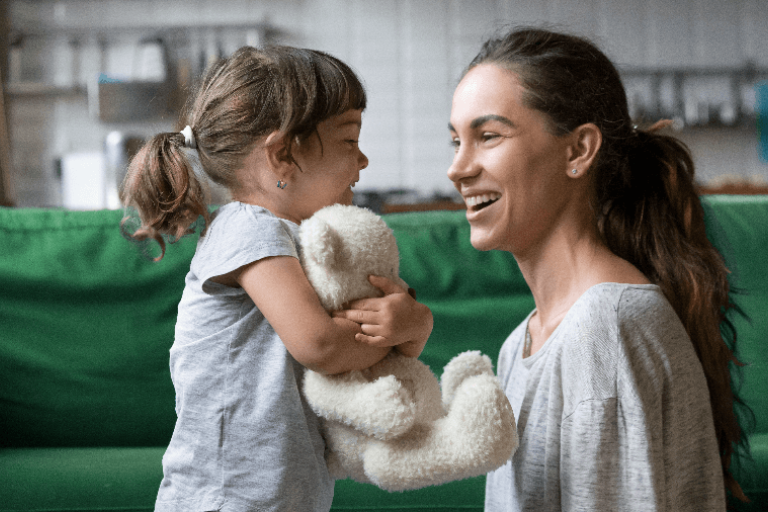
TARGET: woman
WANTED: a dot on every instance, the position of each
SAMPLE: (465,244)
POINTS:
(619,378)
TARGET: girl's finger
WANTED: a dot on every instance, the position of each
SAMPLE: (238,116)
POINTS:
(374,341)
(356,315)
(366,304)
(386,285)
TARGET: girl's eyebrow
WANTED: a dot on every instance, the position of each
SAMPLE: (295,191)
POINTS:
(356,123)
(479,121)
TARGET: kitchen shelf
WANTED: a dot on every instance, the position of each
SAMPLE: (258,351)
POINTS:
(694,97)
(39,89)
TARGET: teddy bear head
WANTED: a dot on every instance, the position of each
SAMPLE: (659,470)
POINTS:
(341,246)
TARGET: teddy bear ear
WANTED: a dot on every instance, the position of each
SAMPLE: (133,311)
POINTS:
(326,245)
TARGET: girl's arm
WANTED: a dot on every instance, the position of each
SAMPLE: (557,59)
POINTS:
(281,291)
(395,319)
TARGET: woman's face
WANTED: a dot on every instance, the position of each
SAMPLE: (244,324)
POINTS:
(511,171)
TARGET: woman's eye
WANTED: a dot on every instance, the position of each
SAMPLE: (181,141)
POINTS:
(455,144)
(489,136)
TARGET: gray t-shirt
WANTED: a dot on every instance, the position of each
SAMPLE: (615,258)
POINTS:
(613,412)
(245,439)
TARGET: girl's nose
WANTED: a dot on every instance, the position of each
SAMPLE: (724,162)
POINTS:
(362,161)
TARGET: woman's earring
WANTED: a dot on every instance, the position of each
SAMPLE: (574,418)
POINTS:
(574,171)
(281,185)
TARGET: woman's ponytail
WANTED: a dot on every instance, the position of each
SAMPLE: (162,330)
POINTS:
(650,214)
(164,189)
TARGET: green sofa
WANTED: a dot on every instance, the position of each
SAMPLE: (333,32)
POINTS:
(86,322)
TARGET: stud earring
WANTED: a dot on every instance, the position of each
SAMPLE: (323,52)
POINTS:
(281,185)
(574,171)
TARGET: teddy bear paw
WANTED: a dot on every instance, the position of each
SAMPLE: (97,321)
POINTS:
(482,422)
(460,368)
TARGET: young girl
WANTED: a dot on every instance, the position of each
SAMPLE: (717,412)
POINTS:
(279,128)
(619,378)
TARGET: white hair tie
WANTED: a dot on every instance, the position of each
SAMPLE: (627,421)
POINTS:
(189,137)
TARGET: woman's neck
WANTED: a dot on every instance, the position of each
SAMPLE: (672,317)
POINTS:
(562,268)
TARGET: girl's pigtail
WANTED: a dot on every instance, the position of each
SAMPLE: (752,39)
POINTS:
(652,216)
(164,189)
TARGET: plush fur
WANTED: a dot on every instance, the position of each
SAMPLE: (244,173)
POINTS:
(394,425)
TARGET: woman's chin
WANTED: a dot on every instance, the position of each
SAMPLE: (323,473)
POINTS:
(481,241)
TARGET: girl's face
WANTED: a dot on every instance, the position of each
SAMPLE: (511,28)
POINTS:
(510,170)
(330,162)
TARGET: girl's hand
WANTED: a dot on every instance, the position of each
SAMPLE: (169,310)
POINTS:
(395,319)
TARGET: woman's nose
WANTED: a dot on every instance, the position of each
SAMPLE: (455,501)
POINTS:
(462,167)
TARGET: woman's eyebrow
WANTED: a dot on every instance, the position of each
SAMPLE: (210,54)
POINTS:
(477,122)
(484,119)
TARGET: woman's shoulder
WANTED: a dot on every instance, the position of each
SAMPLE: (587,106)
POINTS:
(624,300)
(617,329)
(642,327)
(627,309)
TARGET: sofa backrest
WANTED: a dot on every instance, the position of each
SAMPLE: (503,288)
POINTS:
(738,226)
(86,321)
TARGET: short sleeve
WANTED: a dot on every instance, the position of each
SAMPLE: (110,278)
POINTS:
(240,234)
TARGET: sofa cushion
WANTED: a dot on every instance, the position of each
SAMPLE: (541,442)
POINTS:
(82,479)
(87,325)
(127,479)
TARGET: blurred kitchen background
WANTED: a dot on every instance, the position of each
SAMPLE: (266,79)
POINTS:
(86,81)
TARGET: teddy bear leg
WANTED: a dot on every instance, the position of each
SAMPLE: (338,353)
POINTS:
(344,452)
(461,367)
(383,408)
(477,436)
(418,379)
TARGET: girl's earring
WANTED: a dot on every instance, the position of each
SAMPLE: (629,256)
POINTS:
(281,185)
(574,171)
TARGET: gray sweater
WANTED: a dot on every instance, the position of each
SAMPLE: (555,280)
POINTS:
(613,412)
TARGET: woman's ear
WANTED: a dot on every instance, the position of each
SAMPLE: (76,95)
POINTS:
(586,142)
(278,156)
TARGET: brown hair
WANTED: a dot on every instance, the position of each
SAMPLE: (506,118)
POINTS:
(242,98)
(643,194)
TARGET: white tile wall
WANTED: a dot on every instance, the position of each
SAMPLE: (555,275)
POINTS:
(410,54)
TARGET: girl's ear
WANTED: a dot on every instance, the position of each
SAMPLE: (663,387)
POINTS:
(277,156)
(586,142)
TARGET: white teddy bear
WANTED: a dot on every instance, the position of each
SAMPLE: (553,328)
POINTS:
(390,424)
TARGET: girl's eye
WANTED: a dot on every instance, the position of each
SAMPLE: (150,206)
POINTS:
(455,144)
(488,136)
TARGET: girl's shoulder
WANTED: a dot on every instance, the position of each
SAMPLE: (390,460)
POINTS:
(236,222)
(244,216)
(239,234)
